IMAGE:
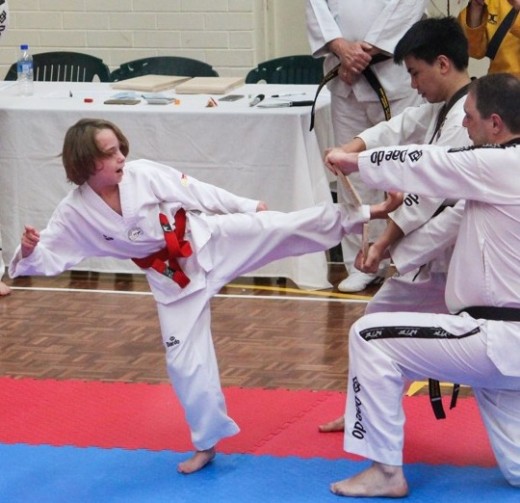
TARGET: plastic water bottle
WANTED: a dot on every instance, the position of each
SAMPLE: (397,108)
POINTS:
(24,68)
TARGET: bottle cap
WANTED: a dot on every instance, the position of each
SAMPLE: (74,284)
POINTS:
(24,47)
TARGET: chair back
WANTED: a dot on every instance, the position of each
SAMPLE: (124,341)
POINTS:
(64,66)
(163,65)
(299,69)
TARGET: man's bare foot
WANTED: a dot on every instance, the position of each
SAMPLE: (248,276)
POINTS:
(4,289)
(378,480)
(198,461)
(336,425)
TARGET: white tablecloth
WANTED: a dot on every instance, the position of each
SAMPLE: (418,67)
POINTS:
(267,154)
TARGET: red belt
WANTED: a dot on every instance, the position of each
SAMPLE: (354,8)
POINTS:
(176,246)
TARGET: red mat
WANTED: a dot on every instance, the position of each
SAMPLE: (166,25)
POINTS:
(274,422)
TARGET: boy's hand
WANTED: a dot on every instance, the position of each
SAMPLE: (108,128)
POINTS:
(30,239)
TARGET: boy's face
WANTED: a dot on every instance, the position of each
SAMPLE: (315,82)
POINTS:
(426,78)
(109,168)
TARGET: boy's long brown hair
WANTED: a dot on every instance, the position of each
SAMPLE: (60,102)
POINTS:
(80,150)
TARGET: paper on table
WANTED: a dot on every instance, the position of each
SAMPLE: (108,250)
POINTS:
(209,85)
(150,82)
(274,104)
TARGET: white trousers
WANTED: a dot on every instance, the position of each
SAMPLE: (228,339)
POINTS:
(388,349)
(239,243)
(350,117)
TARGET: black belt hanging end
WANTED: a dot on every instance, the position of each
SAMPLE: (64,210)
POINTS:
(434,388)
(327,78)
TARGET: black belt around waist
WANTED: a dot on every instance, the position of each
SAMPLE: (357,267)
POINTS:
(371,78)
(478,312)
(493,313)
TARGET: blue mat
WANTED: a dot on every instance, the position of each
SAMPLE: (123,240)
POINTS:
(45,474)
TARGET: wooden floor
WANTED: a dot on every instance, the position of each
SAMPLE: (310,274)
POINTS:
(93,326)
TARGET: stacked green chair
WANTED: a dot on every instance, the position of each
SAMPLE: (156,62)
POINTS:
(65,66)
(299,69)
(163,65)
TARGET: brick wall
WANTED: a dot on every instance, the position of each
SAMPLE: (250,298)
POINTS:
(222,33)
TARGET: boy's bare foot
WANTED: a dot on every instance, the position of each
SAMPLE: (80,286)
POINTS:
(198,461)
(4,289)
(378,480)
(336,425)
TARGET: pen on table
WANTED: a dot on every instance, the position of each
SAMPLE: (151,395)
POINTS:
(257,99)
(283,104)
(286,95)
(304,103)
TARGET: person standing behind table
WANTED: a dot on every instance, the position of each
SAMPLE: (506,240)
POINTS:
(477,345)
(4,21)
(435,53)
(125,210)
(352,33)
(480,20)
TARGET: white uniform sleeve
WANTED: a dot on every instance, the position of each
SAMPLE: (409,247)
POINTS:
(393,19)
(413,125)
(417,209)
(410,126)
(321,26)
(393,22)
(428,241)
(488,174)
(170,185)
(60,248)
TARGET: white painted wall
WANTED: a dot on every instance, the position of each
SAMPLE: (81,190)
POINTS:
(286,28)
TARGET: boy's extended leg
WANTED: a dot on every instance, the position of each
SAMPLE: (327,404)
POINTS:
(244,242)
